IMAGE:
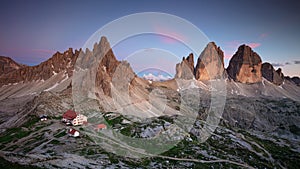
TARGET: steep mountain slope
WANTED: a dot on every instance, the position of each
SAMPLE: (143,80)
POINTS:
(116,87)
(53,74)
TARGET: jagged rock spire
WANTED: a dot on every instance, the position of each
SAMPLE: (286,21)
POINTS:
(185,69)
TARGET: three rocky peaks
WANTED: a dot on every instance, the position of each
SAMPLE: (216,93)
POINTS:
(245,66)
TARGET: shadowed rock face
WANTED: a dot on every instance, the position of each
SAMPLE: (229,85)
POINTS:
(107,65)
(269,73)
(59,62)
(185,69)
(295,80)
(210,64)
(245,66)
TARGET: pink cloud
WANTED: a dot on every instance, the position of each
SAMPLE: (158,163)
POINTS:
(168,35)
(263,35)
(227,56)
(230,47)
(254,45)
(166,39)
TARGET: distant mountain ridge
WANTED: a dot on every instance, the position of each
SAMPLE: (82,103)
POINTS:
(18,73)
(244,67)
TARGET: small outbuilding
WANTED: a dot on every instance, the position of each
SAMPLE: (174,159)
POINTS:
(100,127)
(73,133)
(43,117)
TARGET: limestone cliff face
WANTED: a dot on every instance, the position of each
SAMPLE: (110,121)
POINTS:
(185,69)
(107,65)
(269,73)
(245,66)
(59,62)
(210,64)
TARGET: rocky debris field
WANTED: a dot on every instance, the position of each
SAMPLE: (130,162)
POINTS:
(253,133)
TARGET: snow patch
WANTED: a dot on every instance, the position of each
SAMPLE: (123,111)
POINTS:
(192,85)
(263,82)
(152,77)
(54,86)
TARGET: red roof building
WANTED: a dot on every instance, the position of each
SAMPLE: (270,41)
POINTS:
(69,115)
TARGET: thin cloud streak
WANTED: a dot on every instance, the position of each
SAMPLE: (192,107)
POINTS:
(169,36)
(230,47)
(254,45)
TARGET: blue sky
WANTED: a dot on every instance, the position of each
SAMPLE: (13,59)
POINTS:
(31,31)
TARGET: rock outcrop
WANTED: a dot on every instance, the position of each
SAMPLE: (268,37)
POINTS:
(210,64)
(107,65)
(295,80)
(8,65)
(59,62)
(185,69)
(269,73)
(245,66)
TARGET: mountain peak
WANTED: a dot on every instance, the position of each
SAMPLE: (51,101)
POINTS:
(210,64)
(104,43)
(245,65)
(185,69)
(269,73)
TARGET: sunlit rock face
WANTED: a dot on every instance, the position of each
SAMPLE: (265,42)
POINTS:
(185,69)
(269,73)
(245,66)
(210,64)
(59,62)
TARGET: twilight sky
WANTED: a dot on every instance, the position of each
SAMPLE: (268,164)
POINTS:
(32,31)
